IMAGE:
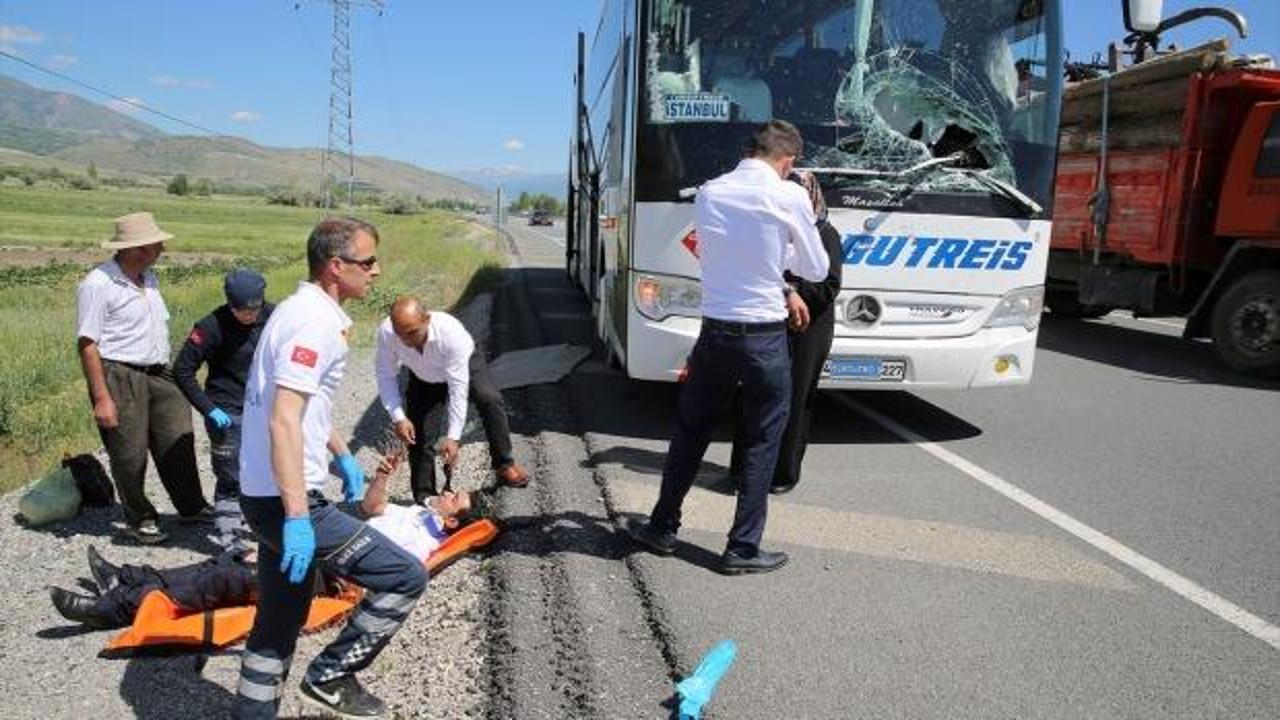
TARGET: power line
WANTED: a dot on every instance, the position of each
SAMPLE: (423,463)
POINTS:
(113,96)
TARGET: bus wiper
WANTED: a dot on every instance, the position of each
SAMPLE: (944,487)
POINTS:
(945,160)
(1003,188)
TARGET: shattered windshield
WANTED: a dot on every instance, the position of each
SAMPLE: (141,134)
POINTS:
(928,105)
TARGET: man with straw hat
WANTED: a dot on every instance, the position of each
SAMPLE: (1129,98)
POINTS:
(122,331)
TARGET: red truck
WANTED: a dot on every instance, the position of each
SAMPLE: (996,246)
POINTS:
(1192,181)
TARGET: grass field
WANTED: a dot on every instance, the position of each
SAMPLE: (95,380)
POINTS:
(44,409)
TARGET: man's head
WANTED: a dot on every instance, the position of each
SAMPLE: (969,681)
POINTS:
(778,143)
(244,289)
(409,321)
(461,509)
(341,254)
(137,241)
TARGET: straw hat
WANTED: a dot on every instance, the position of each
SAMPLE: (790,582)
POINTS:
(135,230)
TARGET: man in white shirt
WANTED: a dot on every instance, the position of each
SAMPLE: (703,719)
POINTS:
(287,440)
(752,226)
(443,362)
(122,334)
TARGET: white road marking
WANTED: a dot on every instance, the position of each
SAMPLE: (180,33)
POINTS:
(1215,604)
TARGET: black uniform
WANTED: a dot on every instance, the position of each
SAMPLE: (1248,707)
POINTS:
(809,351)
(227,346)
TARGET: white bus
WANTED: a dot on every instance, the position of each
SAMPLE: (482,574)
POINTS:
(932,125)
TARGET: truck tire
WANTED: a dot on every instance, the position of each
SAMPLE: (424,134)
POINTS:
(1064,303)
(1246,323)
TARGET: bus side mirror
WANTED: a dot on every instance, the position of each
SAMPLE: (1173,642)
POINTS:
(1142,16)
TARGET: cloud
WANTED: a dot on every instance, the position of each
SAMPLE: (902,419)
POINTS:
(11,36)
(170,81)
(63,61)
(128,106)
(514,144)
(245,116)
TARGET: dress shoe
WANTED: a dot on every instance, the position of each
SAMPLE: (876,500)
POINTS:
(512,475)
(782,488)
(105,575)
(78,608)
(658,542)
(735,562)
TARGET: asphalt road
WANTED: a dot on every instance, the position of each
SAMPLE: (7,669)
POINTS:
(1103,543)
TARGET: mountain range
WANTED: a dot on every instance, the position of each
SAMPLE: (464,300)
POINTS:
(41,128)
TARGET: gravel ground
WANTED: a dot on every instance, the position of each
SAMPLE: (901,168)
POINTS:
(435,666)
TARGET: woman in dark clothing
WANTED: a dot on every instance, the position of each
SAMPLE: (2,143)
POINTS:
(809,349)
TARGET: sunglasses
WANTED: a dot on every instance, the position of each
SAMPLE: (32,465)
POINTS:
(366,263)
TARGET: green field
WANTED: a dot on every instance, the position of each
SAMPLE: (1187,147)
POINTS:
(44,409)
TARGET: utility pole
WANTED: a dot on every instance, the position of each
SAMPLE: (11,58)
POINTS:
(341,138)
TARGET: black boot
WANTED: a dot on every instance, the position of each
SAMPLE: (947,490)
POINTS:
(105,575)
(78,608)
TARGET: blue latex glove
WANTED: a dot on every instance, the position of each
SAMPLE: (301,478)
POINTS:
(219,418)
(352,477)
(299,547)
(696,690)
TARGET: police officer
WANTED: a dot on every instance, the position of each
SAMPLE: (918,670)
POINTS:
(752,226)
(225,339)
(284,464)
(122,329)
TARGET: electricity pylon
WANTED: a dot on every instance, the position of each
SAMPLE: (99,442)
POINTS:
(341,138)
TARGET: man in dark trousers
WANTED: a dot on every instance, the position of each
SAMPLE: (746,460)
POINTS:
(809,350)
(225,339)
(122,335)
(285,454)
(444,366)
(752,226)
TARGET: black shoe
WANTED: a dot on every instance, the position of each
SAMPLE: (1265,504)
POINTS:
(78,608)
(781,488)
(658,542)
(343,697)
(735,562)
(105,575)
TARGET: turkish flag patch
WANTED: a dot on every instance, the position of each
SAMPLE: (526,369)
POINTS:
(304,356)
(196,336)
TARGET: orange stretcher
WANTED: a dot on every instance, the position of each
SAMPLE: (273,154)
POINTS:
(160,622)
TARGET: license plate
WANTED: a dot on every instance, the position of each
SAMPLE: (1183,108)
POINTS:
(855,368)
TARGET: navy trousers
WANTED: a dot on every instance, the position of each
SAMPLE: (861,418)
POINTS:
(726,356)
(224,457)
(224,581)
(392,578)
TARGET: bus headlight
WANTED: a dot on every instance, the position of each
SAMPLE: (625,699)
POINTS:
(659,297)
(1019,307)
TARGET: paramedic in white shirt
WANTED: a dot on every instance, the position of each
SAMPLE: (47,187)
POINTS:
(288,437)
(443,363)
(122,335)
(752,226)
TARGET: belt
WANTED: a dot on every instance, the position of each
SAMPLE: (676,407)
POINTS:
(745,328)
(156,369)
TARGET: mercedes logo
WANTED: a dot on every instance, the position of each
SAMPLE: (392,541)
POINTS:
(862,309)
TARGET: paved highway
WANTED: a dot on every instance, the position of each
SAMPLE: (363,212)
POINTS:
(1102,543)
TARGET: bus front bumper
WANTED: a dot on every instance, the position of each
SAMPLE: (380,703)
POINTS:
(991,357)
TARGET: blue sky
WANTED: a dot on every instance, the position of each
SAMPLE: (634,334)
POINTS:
(445,85)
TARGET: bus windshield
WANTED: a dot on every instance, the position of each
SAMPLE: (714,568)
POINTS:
(944,106)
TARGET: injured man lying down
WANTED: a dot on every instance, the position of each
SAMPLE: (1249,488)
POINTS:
(230,580)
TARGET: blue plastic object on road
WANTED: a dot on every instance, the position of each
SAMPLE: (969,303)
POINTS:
(299,547)
(352,477)
(696,690)
(219,418)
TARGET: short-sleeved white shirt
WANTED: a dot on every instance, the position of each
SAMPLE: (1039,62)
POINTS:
(444,358)
(415,528)
(304,348)
(129,323)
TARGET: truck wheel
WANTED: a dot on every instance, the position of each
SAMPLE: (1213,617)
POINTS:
(1246,323)
(1064,303)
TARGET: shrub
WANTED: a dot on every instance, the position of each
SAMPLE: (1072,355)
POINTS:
(178,185)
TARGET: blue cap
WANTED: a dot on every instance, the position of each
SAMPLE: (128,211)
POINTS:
(244,288)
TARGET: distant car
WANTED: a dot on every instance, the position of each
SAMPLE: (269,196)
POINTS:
(540,218)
